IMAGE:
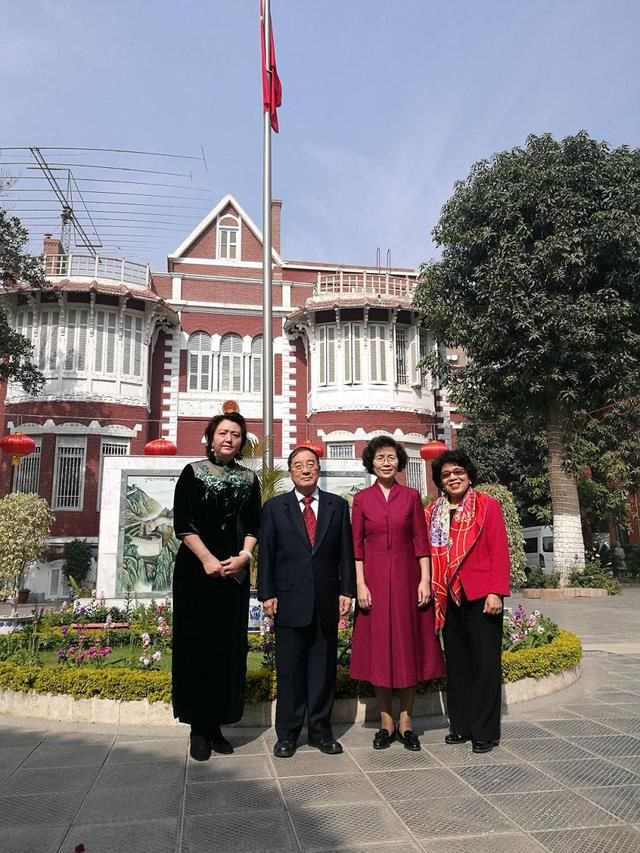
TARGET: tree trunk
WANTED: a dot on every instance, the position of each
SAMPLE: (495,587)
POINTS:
(568,542)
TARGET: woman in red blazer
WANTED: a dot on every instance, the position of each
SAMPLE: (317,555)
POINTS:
(470,575)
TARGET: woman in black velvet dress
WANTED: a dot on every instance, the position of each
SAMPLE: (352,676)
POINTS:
(217,516)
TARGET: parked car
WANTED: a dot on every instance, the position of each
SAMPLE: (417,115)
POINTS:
(538,547)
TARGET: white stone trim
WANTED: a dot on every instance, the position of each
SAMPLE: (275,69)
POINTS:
(169,414)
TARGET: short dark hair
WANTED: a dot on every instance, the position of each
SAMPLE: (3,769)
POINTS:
(377,444)
(212,426)
(453,457)
(299,449)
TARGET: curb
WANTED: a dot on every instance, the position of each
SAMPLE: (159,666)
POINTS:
(113,712)
(565,592)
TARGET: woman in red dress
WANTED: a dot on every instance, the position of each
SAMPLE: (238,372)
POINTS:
(394,641)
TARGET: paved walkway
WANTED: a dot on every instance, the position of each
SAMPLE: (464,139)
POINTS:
(565,778)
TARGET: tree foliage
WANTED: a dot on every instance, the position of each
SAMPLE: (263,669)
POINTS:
(514,532)
(539,283)
(77,560)
(17,267)
(25,523)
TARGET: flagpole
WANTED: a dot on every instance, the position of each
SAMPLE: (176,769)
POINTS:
(267,305)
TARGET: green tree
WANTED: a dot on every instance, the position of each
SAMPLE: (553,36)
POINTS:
(539,283)
(77,560)
(17,267)
(514,531)
(25,523)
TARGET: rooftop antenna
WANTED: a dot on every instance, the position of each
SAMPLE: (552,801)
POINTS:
(388,260)
(378,259)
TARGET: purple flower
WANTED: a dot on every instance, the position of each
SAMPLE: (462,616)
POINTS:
(64,630)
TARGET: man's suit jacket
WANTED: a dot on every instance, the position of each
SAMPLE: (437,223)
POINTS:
(300,576)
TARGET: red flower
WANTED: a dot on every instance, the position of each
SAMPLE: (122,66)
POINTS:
(79,848)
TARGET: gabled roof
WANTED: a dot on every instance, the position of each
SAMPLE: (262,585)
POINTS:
(211,217)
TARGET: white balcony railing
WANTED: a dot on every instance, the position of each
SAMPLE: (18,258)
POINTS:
(365,283)
(96,267)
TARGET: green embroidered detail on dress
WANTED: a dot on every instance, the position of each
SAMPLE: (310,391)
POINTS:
(231,487)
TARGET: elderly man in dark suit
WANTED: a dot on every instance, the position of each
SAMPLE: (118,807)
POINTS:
(306,580)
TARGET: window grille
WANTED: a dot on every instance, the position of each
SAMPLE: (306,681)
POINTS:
(68,486)
(352,339)
(256,364)
(340,450)
(110,447)
(377,353)
(402,342)
(231,363)
(415,474)
(26,475)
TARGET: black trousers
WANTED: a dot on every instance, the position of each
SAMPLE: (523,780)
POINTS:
(473,648)
(306,673)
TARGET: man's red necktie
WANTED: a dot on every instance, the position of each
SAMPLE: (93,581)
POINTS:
(309,517)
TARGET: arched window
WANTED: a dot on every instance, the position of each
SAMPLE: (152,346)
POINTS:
(231,363)
(199,350)
(228,238)
(256,364)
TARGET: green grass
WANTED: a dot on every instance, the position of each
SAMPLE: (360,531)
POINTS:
(119,657)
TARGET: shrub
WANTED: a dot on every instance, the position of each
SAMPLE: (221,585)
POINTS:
(77,560)
(565,652)
(632,559)
(543,580)
(514,531)
(526,632)
(593,577)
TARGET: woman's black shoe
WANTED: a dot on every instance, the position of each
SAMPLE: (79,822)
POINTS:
(221,745)
(409,740)
(383,739)
(482,746)
(199,747)
(452,738)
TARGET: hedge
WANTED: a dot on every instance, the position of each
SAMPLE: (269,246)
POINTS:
(562,653)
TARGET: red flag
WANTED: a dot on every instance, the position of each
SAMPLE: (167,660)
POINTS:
(271,86)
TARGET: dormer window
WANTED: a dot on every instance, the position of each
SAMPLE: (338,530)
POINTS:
(228,238)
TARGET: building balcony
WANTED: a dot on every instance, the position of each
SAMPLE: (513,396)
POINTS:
(360,286)
(97,268)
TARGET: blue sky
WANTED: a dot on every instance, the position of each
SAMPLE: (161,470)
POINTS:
(386,104)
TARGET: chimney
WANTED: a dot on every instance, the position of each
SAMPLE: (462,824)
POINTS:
(276,211)
(51,246)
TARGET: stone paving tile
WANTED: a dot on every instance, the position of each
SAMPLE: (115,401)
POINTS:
(598,711)
(394,758)
(117,775)
(400,847)
(580,728)
(507,778)
(312,762)
(628,725)
(551,712)
(37,780)
(549,749)
(326,790)
(622,801)
(33,839)
(355,736)
(522,730)
(230,768)
(458,756)
(508,843)
(631,762)
(610,746)
(451,816)
(11,759)
(551,810)
(329,827)
(26,809)
(435,734)
(616,696)
(416,784)
(65,755)
(245,744)
(590,773)
(115,805)
(262,832)
(615,839)
(149,836)
(219,797)
(10,738)
(128,752)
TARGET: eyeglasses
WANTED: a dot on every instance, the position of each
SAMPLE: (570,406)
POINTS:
(390,458)
(454,472)
(301,466)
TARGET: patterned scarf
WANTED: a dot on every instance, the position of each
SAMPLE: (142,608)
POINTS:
(450,541)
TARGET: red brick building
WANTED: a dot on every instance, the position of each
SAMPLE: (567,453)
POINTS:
(130,355)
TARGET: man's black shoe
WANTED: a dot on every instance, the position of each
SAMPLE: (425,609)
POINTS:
(329,746)
(482,746)
(199,747)
(284,749)
(451,738)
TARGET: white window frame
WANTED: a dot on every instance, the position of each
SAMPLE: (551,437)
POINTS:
(26,475)
(422,346)
(401,354)
(229,238)
(132,333)
(105,359)
(341,450)
(75,342)
(231,362)
(352,339)
(49,332)
(257,351)
(69,442)
(326,336)
(108,444)
(199,357)
(378,340)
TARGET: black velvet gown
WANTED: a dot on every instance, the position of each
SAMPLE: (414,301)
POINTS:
(221,504)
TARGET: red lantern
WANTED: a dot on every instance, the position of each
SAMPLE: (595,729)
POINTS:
(160,447)
(432,449)
(230,406)
(18,445)
(316,446)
